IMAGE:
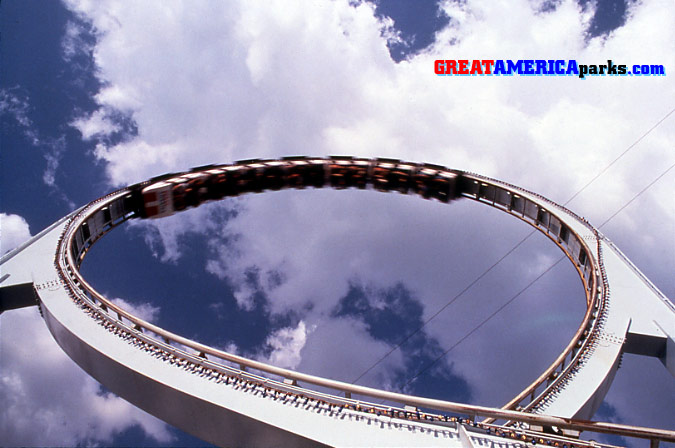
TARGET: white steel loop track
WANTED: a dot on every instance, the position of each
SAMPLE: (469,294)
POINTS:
(562,390)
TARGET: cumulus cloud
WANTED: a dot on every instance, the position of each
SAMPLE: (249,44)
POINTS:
(286,344)
(641,391)
(351,351)
(164,238)
(48,400)
(40,387)
(95,124)
(13,231)
(75,41)
(145,311)
(274,81)
(263,80)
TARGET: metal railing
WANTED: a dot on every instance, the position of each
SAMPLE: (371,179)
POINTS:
(172,346)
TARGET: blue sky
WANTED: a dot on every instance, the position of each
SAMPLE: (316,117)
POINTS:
(95,95)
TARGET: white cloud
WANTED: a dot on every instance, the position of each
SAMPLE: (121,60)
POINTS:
(74,41)
(263,80)
(163,237)
(632,395)
(350,349)
(13,232)
(48,400)
(41,388)
(277,79)
(286,344)
(145,311)
(96,124)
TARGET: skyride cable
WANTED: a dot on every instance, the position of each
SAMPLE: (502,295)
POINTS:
(514,297)
(510,251)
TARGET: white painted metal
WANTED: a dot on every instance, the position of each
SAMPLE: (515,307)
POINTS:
(169,376)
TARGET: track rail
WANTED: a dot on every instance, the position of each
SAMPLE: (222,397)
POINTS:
(579,241)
